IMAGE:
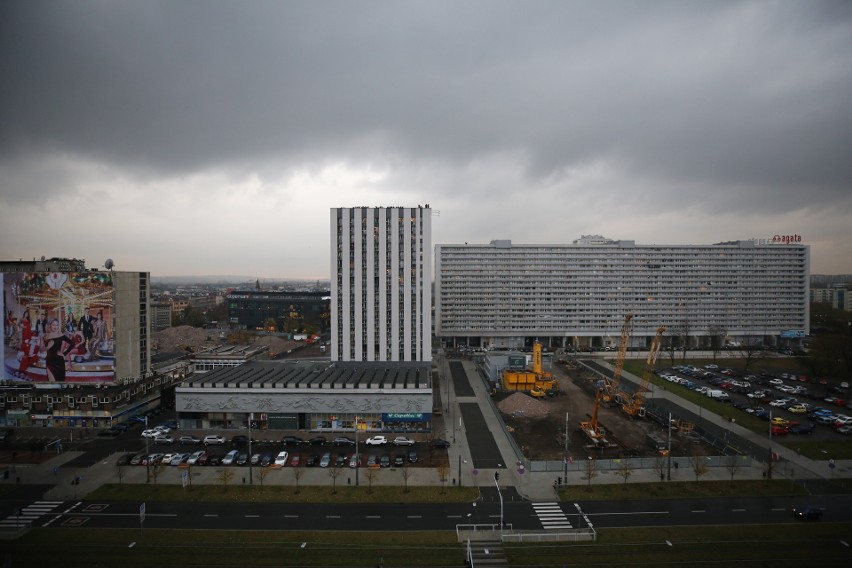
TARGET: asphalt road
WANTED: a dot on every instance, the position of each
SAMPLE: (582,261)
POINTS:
(439,517)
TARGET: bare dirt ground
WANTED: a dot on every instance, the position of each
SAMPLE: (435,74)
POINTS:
(539,425)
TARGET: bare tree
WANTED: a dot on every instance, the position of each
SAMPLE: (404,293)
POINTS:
(225,475)
(625,470)
(298,472)
(444,475)
(717,339)
(371,474)
(155,472)
(752,350)
(733,464)
(670,346)
(699,466)
(262,472)
(591,470)
(120,472)
(334,473)
(406,473)
(660,467)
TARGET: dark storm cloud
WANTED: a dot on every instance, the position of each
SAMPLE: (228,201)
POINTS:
(731,106)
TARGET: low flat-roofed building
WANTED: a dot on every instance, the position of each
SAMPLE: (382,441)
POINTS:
(310,395)
(225,356)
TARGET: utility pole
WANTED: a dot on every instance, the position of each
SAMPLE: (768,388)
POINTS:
(669,447)
(496,479)
(357,455)
(250,418)
(565,460)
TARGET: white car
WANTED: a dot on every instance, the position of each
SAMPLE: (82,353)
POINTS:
(150,433)
(403,441)
(178,459)
(779,402)
(213,440)
(376,441)
(776,382)
(281,458)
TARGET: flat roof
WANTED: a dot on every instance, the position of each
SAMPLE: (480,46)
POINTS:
(392,375)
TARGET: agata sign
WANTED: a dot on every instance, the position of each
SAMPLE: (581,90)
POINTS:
(787,239)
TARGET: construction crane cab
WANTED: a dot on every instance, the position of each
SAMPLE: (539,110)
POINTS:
(591,429)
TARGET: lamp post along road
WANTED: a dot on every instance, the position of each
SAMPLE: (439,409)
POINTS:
(357,455)
(250,418)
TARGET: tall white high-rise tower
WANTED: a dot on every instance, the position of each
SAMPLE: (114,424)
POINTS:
(381,276)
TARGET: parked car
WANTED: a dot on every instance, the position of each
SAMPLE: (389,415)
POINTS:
(412,456)
(312,461)
(399,460)
(164,440)
(281,458)
(439,443)
(230,457)
(255,458)
(188,441)
(355,460)
(109,433)
(125,459)
(341,460)
(292,441)
(243,458)
(344,441)
(325,460)
(803,428)
(385,461)
(214,440)
(376,441)
(295,460)
(317,441)
(178,459)
(403,441)
(195,456)
(239,440)
(266,460)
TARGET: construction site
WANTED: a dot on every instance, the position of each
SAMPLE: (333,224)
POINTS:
(576,409)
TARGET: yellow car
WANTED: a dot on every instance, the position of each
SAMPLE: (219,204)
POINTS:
(778,421)
(798,409)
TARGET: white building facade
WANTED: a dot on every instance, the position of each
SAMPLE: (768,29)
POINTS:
(381,260)
(503,295)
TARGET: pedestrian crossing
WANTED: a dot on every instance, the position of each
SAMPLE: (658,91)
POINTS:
(551,516)
(28,515)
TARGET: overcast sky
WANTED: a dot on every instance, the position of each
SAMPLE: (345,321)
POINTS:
(202,138)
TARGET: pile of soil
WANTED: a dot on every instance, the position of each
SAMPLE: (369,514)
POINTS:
(520,404)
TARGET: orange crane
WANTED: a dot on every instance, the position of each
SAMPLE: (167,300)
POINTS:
(591,429)
(634,406)
(610,393)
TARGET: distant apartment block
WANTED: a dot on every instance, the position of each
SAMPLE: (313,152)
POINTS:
(506,295)
(279,311)
(381,260)
(839,297)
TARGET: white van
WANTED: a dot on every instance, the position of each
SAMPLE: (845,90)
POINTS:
(718,395)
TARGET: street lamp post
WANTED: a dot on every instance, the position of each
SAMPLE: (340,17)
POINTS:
(565,459)
(669,447)
(250,418)
(357,455)
(496,478)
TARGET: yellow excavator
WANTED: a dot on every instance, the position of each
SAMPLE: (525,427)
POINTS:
(634,406)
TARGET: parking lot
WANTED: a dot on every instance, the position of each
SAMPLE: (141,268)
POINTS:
(791,404)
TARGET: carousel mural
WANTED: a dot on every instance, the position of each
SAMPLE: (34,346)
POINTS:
(59,327)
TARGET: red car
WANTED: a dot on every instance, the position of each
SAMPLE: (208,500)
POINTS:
(779,430)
